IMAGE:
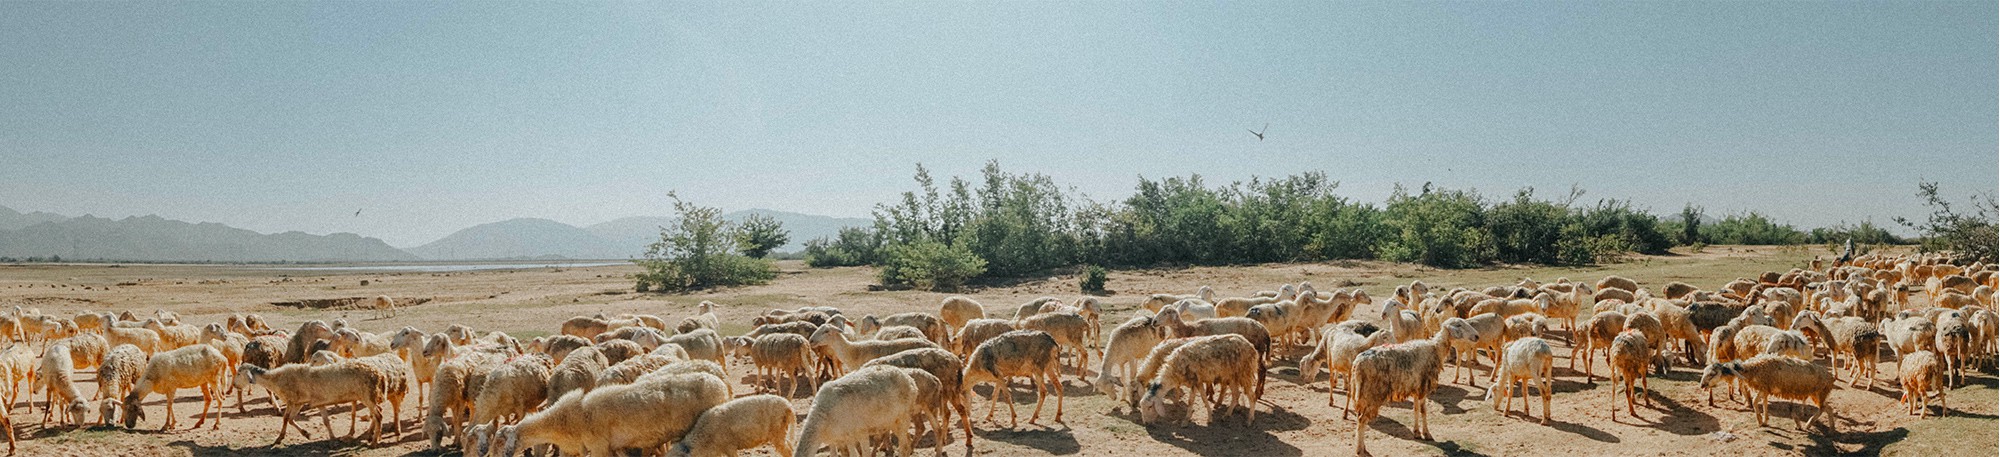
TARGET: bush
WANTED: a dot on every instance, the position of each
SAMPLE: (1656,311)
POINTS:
(760,234)
(1966,237)
(851,247)
(1438,228)
(698,253)
(1093,280)
(929,265)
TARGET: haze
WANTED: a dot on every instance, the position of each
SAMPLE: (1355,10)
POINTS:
(430,117)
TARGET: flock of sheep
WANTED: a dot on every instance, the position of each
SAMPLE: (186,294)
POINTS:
(611,384)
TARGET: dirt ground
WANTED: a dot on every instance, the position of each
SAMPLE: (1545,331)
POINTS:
(1293,418)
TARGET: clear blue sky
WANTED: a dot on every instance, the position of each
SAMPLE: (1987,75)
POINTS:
(430,117)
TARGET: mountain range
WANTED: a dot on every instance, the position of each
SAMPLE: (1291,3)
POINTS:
(156,239)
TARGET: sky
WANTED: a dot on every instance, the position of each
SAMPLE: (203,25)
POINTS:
(428,117)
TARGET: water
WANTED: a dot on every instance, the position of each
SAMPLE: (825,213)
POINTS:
(444,268)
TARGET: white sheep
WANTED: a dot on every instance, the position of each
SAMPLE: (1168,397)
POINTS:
(743,423)
(1338,344)
(578,372)
(854,353)
(781,358)
(1224,362)
(641,415)
(121,369)
(199,366)
(1527,361)
(512,390)
(382,304)
(870,401)
(1922,375)
(956,310)
(56,379)
(1398,372)
(1126,349)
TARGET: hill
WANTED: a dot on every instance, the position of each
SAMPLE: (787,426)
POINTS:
(157,239)
(521,238)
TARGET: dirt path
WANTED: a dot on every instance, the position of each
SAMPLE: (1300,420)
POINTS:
(1293,419)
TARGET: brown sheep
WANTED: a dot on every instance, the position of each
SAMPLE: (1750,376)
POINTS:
(1630,355)
(1021,353)
(1781,376)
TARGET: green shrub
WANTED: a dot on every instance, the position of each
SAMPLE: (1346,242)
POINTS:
(1438,228)
(1968,236)
(852,246)
(929,265)
(759,234)
(1751,228)
(1093,278)
(697,253)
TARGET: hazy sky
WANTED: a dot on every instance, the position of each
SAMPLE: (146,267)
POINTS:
(430,117)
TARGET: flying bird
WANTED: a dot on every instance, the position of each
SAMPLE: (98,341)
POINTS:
(1260,135)
(357,213)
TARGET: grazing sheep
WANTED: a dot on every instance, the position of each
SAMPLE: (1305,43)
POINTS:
(870,401)
(932,327)
(631,369)
(1032,307)
(1129,343)
(56,378)
(1786,377)
(1224,362)
(1395,372)
(193,366)
(1028,353)
(584,326)
(20,362)
(704,318)
(949,372)
(780,358)
(1250,329)
(1071,331)
(854,353)
(897,332)
(1598,332)
(1338,346)
(174,336)
(145,340)
(577,372)
(115,377)
(641,415)
(620,350)
(743,423)
(978,331)
(453,389)
(702,344)
(1921,375)
(1953,343)
(1528,360)
(512,390)
(298,347)
(1630,355)
(956,310)
(352,343)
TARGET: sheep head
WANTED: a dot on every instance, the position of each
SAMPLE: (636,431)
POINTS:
(1719,372)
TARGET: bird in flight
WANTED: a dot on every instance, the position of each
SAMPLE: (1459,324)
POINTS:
(1260,135)
(357,213)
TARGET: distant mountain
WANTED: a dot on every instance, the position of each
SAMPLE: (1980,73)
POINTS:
(522,238)
(157,239)
(635,233)
(15,220)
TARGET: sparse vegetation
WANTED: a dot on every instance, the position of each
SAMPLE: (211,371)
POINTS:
(1966,235)
(1092,281)
(929,265)
(698,252)
(759,234)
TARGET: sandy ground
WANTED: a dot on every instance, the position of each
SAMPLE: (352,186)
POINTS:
(1293,419)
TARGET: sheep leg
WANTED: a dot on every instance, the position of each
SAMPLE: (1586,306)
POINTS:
(375,422)
(1548,389)
(1038,382)
(1059,398)
(1423,417)
(1361,428)
(170,412)
(203,417)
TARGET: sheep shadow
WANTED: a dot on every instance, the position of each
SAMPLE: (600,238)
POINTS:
(1052,441)
(1580,429)
(1871,442)
(1399,431)
(1226,434)
(1680,419)
(320,447)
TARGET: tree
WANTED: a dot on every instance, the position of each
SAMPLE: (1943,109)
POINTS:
(1690,224)
(1966,237)
(759,234)
(698,253)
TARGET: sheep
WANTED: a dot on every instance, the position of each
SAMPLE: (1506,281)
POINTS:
(739,424)
(949,371)
(1952,343)
(512,390)
(145,340)
(230,343)
(1250,329)
(1405,325)
(1920,376)
(1227,362)
(620,350)
(1630,355)
(1656,337)
(897,332)
(631,369)
(296,348)
(1032,307)
(10,329)
(702,344)
(869,401)
(1029,353)
(1491,328)
(932,327)
(453,388)
(641,415)
(1335,352)
(956,310)
(705,319)
(194,366)
(20,362)
(978,331)
(780,358)
(1088,307)
(56,378)
(121,368)
(1787,378)
(352,343)
(1528,360)
(559,346)
(1156,302)
(1908,335)
(1397,372)
(395,386)
(174,336)
(584,326)
(854,353)
(1198,309)
(1598,333)
(1071,331)
(265,351)
(1128,345)
(577,372)
(383,305)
